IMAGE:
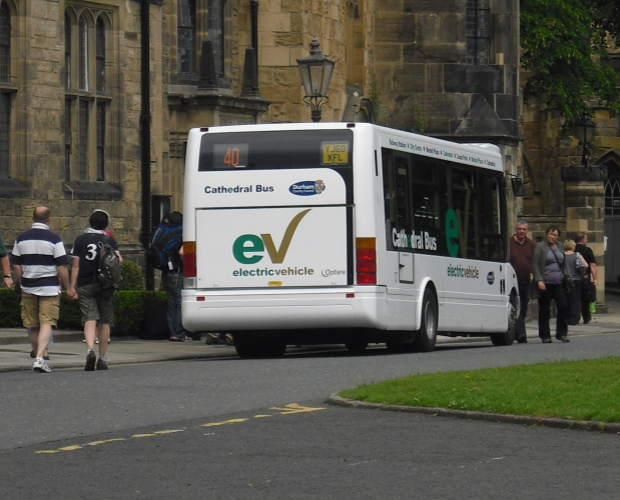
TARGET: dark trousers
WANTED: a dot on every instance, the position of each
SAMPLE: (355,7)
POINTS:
(173,285)
(558,294)
(586,298)
(524,293)
(574,303)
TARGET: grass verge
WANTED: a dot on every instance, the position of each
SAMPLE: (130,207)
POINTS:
(574,390)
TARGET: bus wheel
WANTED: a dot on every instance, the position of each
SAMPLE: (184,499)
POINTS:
(508,337)
(426,336)
(356,346)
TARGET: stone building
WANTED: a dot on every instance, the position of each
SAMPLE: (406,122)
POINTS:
(96,98)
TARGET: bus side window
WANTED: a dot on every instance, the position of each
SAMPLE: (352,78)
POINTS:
(464,203)
(426,206)
(490,220)
(389,191)
(403,196)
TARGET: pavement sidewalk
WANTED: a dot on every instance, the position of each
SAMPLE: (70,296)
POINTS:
(69,351)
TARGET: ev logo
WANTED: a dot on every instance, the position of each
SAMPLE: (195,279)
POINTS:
(247,249)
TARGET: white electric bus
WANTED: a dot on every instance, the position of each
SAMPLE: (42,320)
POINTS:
(346,233)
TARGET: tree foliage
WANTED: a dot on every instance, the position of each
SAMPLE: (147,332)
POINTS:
(565,46)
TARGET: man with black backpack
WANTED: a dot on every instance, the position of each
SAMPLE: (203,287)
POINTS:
(95,276)
(165,255)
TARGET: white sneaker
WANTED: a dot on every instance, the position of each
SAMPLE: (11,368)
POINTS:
(40,365)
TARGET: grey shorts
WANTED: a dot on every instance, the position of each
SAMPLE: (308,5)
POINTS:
(96,306)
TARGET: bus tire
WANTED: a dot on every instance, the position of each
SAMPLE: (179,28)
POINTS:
(508,337)
(426,336)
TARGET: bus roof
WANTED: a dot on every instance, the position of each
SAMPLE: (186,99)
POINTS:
(480,154)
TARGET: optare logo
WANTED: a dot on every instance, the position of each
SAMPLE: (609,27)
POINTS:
(307,188)
(249,248)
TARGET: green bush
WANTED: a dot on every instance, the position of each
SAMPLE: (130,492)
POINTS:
(132,276)
(70,316)
(129,311)
(10,310)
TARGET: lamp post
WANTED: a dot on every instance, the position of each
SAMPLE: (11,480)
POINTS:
(316,72)
(585,131)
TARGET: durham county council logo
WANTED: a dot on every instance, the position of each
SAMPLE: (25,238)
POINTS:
(307,188)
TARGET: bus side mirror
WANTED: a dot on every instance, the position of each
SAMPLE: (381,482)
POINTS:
(517,185)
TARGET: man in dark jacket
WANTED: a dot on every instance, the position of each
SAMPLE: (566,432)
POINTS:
(521,251)
(588,284)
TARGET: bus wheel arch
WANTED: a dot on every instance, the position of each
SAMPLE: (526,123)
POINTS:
(426,336)
(508,337)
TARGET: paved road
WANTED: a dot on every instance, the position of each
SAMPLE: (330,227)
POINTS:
(220,427)
(225,428)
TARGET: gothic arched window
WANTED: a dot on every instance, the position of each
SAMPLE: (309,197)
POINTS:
(478,31)
(612,197)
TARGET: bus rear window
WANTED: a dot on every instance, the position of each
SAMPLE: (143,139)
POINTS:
(275,150)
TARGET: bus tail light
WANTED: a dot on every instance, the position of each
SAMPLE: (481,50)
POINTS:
(366,261)
(189,259)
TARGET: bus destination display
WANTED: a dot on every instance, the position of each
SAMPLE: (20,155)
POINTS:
(230,156)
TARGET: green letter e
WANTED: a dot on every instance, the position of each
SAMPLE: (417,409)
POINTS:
(248,243)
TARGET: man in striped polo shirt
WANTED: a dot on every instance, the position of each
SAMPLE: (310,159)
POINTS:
(39,259)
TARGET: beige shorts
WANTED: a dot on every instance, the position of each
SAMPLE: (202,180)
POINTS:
(38,310)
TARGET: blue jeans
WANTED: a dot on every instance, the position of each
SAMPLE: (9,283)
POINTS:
(173,284)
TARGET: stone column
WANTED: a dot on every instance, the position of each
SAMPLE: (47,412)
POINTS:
(584,193)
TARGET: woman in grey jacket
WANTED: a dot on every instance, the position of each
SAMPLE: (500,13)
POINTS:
(547,285)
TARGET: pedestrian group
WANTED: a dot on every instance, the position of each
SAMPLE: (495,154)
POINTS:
(564,273)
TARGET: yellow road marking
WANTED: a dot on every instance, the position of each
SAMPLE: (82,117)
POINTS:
(70,448)
(95,443)
(295,408)
(287,410)
(233,421)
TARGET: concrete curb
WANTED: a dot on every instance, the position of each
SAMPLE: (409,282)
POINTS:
(558,423)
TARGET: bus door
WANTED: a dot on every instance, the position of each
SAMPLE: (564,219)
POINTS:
(398,218)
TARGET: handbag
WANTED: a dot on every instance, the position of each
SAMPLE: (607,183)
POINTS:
(579,267)
(569,285)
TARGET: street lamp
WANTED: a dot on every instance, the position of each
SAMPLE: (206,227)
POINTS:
(316,72)
(584,130)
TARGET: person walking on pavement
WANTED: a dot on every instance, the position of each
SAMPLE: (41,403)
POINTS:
(167,255)
(7,280)
(588,283)
(39,259)
(575,267)
(548,285)
(521,252)
(96,304)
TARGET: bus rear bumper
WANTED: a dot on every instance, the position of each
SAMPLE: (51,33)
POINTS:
(294,309)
